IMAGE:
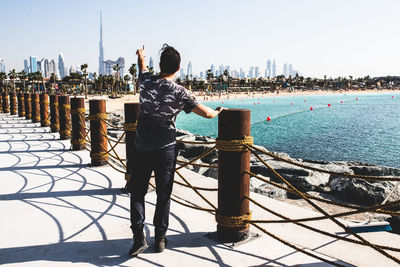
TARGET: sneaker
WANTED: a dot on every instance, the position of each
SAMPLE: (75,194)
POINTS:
(160,244)
(138,247)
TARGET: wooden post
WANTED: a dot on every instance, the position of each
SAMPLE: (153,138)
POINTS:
(28,106)
(98,128)
(233,181)
(35,108)
(1,102)
(6,107)
(64,110)
(21,105)
(78,123)
(13,104)
(54,114)
(131,116)
(44,110)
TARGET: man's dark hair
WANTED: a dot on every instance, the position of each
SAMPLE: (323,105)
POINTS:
(170,59)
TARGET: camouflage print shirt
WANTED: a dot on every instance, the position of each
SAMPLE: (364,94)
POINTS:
(161,100)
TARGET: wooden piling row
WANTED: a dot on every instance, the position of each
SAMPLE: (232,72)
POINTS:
(98,127)
(64,110)
(28,106)
(1,102)
(54,114)
(35,108)
(78,123)
(13,104)
(44,110)
(21,105)
(6,106)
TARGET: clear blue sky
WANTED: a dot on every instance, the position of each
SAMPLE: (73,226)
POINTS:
(336,38)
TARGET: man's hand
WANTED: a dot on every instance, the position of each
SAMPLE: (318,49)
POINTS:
(141,53)
(141,62)
(219,109)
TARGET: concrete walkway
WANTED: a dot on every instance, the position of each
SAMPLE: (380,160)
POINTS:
(56,210)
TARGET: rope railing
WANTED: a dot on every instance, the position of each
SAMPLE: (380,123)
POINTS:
(333,219)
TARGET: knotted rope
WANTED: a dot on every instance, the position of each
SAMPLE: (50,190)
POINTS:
(97,117)
(130,127)
(233,221)
(234,145)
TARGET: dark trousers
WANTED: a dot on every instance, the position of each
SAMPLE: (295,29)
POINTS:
(162,162)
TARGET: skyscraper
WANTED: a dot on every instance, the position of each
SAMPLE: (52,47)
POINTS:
(32,64)
(110,63)
(61,66)
(213,69)
(151,63)
(102,68)
(291,70)
(257,73)
(189,70)
(2,66)
(268,72)
(46,69)
(52,67)
(273,69)
(285,70)
(26,66)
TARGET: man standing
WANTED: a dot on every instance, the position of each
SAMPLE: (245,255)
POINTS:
(161,100)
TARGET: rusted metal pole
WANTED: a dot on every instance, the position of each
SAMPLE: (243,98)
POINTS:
(233,181)
(54,114)
(28,106)
(64,110)
(35,108)
(6,107)
(13,104)
(98,128)
(131,116)
(21,105)
(78,140)
(44,110)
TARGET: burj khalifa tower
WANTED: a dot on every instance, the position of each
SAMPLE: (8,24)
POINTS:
(102,69)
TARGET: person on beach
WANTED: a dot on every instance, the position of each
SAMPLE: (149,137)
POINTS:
(161,100)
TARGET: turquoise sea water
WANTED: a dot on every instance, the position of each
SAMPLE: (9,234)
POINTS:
(367,129)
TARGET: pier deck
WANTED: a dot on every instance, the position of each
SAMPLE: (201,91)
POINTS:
(56,210)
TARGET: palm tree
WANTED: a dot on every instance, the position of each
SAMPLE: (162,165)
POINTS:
(210,77)
(13,75)
(53,77)
(116,68)
(31,78)
(3,77)
(94,81)
(126,79)
(83,69)
(22,77)
(133,72)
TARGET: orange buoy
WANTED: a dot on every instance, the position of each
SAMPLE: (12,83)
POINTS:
(273,101)
(392,96)
(258,103)
(356,98)
(268,118)
(341,101)
(222,103)
(311,108)
(291,103)
(329,105)
(305,100)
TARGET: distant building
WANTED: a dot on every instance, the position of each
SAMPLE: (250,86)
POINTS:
(251,73)
(151,63)
(257,73)
(46,69)
(33,64)
(52,67)
(62,70)
(273,69)
(2,66)
(189,70)
(182,74)
(102,67)
(72,69)
(26,66)
(285,70)
(291,70)
(268,72)
(213,69)
(201,75)
(242,74)
(110,63)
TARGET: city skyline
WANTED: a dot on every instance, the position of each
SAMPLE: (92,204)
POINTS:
(357,40)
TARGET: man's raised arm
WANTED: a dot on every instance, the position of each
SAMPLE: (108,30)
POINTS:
(141,62)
